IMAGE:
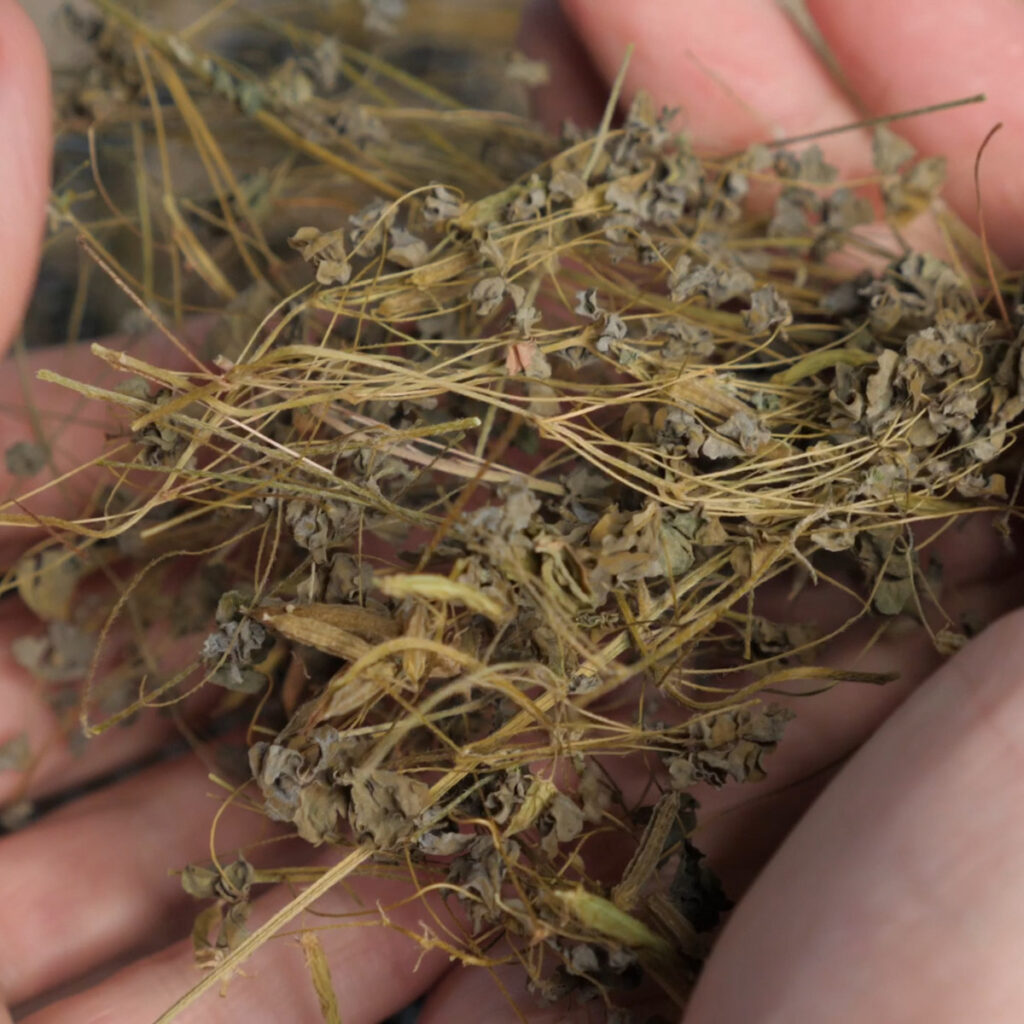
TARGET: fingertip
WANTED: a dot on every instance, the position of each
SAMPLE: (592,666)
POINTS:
(738,69)
(574,90)
(918,52)
(898,897)
(24,160)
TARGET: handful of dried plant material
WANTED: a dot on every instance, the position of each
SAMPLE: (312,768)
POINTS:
(496,443)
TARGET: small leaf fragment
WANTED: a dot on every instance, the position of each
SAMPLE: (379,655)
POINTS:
(15,753)
(25,458)
(47,580)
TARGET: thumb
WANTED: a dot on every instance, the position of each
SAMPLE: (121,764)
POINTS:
(900,895)
(24,161)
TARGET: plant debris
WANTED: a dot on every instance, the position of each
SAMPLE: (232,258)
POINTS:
(497,442)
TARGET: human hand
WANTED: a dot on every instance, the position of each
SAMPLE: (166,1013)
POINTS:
(897,895)
(88,883)
(868,852)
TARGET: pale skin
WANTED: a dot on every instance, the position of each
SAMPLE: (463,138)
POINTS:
(897,896)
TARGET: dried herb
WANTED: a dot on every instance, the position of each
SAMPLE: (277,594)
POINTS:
(500,439)
(15,754)
(25,458)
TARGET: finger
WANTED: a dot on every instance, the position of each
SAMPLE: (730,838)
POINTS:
(739,69)
(24,161)
(58,762)
(500,996)
(91,880)
(574,89)
(901,56)
(72,430)
(899,895)
(376,971)
(75,432)
(741,826)
(970,549)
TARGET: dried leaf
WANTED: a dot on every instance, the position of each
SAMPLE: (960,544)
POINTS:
(731,744)
(715,447)
(217,931)
(531,805)
(385,805)
(696,891)
(47,581)
(595,792)
(587,304)
(891,151)
(879,389)
(793,213)
(406,249)
(487,294)
(566,185)
(230,884)
(208,922)
(845,210)
(914,189)
(892,596)
(809,166)
(768,310)
(445,844)
(301,785)
(747,430)
(15,753)
(62,655)
(720,282)
(561,822)
(442,205)
(25,458)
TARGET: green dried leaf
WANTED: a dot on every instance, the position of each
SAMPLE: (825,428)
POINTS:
(326,252)
(25,458)
(891,151)
(696,890)
(768,310)
(731,744)
(230,884)
(385,805)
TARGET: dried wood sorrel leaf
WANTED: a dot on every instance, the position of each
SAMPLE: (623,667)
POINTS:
(510,450)
(729,745)
(47,581)
(25,458)
(891,151)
